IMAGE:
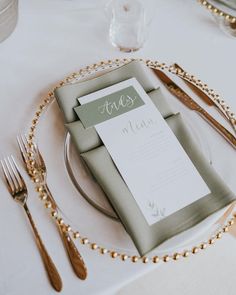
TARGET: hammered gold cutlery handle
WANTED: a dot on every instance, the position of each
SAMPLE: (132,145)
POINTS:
(226,214)
(76,259)
(50,267)
(205,97)
(220,128)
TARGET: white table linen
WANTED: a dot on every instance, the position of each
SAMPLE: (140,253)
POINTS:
(57,37)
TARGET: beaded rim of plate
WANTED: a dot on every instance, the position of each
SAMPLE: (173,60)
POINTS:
(218,12)
(38,179)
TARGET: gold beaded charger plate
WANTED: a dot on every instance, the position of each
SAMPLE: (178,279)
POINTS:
(224,14)
(91,227)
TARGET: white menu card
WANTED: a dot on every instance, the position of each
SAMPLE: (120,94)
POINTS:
(155,167)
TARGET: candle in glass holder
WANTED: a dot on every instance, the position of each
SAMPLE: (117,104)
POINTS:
(128,25)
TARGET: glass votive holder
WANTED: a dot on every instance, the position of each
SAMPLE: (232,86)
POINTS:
(127,24)
(8,17)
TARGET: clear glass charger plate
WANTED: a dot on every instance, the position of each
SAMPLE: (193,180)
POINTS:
(229,8)
(82,202)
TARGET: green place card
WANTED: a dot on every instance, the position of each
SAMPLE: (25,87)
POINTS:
(109,106)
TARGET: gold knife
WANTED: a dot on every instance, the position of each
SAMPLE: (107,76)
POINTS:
(205,97)
(192,105)
(198,91)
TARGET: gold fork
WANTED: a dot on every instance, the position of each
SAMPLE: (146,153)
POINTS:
(75,258)
(17,188)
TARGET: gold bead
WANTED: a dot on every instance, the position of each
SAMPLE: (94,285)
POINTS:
(68,228)
(43,196)
(48,205)
(231,222)
(195,250)
(166,258)
(36,180)
(134,258)
(186,254)
(211,241)
(60,221)
(203,246)
(114,254)
(155,259)
(176,256)
(103,250)
(124,257)
(30,154)
(219,235)
(225,229)
(94,246)
(234,214)
(76,235)
(32,162)
(42,106)
(145,259)
(54,213)
(39,188)
(84,241)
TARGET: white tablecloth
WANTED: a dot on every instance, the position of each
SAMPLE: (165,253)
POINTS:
(56,37)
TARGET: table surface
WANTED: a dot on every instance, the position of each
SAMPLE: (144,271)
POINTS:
(54,38)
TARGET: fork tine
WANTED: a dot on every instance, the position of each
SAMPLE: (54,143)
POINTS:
(22,185)
(38,157)
(22,148)
(14,174)
(10,184)
(26,142)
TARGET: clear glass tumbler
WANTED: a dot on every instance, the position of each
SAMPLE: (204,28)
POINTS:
(8,17)
(127,24)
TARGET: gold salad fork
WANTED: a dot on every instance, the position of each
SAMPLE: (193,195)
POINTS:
(75,258)
(18,190)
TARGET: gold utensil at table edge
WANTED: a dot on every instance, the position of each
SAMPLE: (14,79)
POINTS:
(192,105)
(225,216)
(17,188)
(75,257)
(201,94)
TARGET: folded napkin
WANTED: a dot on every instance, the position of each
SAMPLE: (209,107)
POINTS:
(98,160)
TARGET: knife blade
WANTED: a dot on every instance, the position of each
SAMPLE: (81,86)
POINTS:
(194,106)
(198,91)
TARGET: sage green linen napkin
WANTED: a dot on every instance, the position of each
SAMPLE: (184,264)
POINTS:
(147,237)
(98,160)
